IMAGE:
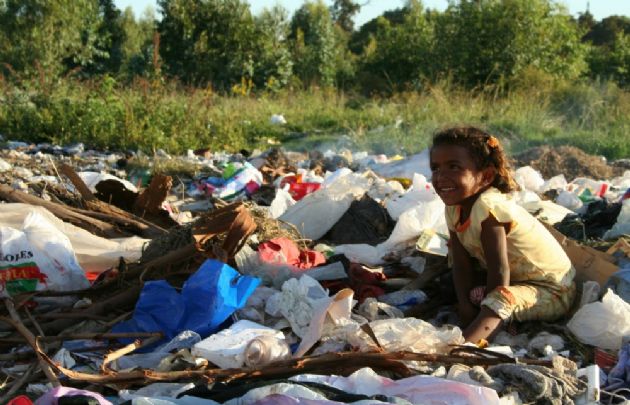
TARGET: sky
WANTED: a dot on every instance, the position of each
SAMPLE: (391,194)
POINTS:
(599,8)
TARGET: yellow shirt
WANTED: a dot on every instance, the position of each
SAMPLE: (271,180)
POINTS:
(534,254)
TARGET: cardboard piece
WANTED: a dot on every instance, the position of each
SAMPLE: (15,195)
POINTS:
(590,264)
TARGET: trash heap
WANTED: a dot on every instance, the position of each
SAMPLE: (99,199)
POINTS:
(282,277)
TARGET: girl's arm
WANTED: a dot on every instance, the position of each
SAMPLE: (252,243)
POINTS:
(494,243)
(462,279)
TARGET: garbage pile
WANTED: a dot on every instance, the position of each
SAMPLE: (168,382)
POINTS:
(283,277)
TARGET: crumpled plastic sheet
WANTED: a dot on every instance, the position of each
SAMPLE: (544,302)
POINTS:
(207,299)
(405,334)
(297,302)
(417,390)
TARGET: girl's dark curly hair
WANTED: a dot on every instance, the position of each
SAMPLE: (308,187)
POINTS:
(485,150)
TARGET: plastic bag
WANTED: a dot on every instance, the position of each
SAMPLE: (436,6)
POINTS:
(94,254)
(602,324)
(420,191)
(529,178)
(207,299)
(38,257)
(405,168)
(316,213)
(281,202)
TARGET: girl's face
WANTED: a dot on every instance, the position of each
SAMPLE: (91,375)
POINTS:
(455,176)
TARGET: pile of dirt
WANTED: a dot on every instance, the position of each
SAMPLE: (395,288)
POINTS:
(568,160)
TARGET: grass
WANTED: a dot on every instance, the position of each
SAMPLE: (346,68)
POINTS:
(151,115)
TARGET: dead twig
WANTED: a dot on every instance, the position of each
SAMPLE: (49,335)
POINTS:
(18,384)
(126,350)
(17,323)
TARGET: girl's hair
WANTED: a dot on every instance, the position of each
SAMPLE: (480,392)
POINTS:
(485,150)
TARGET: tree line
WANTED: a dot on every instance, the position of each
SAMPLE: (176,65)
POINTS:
(221,44)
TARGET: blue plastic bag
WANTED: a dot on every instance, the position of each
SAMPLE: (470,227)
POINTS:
(208,298)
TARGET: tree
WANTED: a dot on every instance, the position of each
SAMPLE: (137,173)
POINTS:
(606,31)
(343,12)
(48,34)
(493,41)
(273,65)
(137,48)
(314,44)
(399,55)
(210,41)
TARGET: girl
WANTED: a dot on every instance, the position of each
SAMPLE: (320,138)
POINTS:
(528,276)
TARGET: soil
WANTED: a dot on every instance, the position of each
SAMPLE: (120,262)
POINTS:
(567,160)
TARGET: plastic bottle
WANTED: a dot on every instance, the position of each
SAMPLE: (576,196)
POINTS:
(266,349)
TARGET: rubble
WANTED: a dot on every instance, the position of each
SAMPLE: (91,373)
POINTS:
(269,276)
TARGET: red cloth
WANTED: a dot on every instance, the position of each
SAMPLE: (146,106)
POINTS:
(285,251)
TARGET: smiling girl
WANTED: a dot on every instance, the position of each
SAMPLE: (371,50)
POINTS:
(525,274)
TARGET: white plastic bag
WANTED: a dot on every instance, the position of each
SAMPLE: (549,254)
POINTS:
(281,203)
(405,168)
(602,324)
(420,191)
(37,258)
(94,254)
(316,213)
(529,178)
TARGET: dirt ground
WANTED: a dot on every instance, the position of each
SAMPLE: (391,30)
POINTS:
(567,160)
